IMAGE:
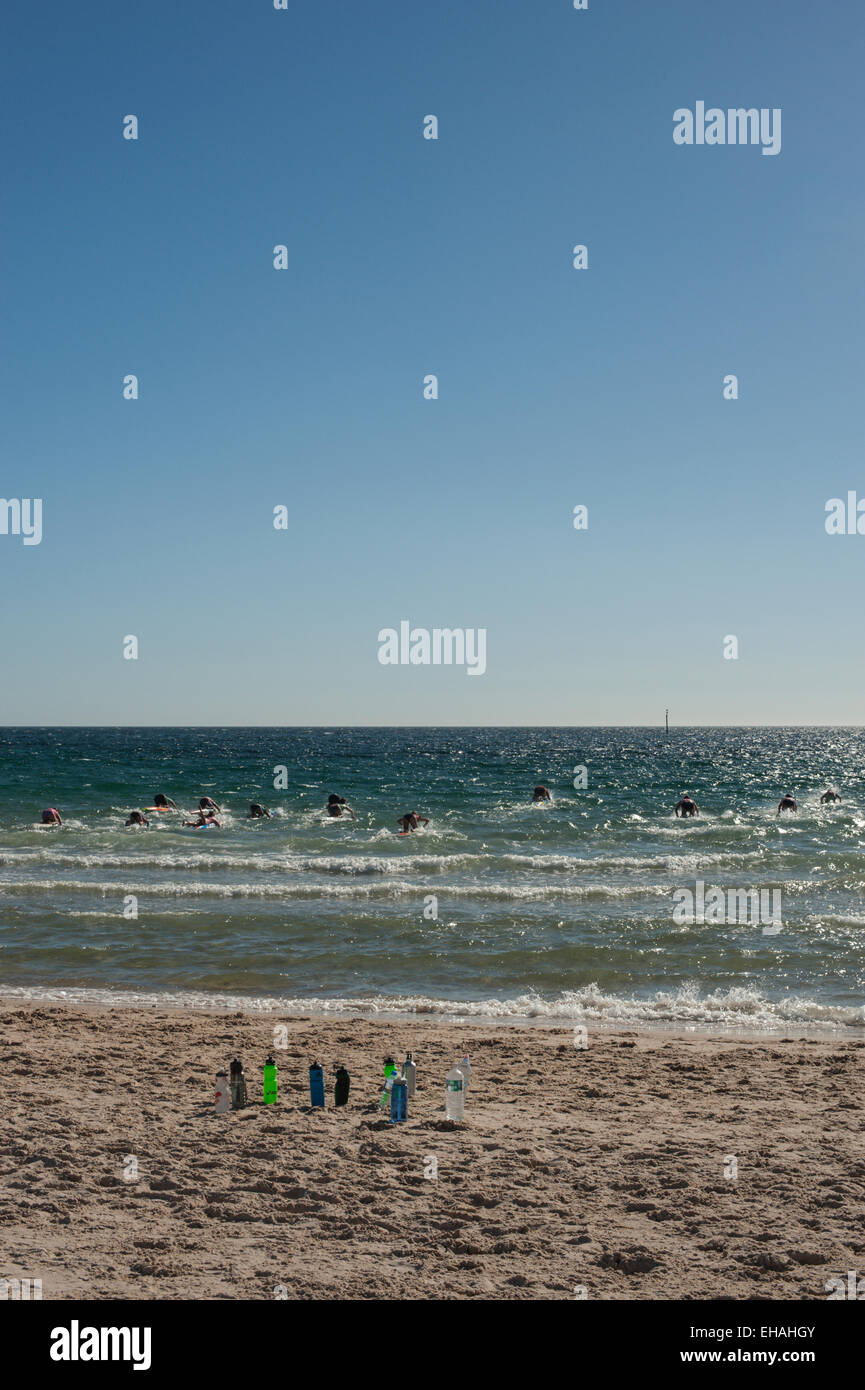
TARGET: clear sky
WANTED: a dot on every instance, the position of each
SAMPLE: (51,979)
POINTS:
(407,256)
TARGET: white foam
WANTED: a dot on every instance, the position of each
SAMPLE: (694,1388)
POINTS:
(720,1011)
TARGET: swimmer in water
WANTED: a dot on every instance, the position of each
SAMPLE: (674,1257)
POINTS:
(411,821)
(50,816)
(256,812)
(687,806)
(335,806)
(786,804)
(541,794)
(830,795)
(164,802)
(205,804)
(204,818)
(137,818)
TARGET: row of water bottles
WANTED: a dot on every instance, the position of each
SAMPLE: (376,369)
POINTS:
(399,1087)
(231,1091)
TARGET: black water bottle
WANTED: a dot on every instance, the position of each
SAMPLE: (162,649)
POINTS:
(238,1085)
(342,1086)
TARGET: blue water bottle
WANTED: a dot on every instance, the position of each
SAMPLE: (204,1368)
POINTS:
(399,1100)
(316,1085)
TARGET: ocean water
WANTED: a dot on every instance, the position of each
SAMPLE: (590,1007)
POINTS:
(561,912)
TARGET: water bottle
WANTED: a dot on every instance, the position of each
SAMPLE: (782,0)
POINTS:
(269,1081)
(455,1094)
(237,1085)
(398,1100)
(223,1097)
(316,1085)
(465,1067)
(341,1087)
(389,1074)
(409,1071)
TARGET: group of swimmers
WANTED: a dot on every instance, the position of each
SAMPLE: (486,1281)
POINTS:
(688,806)
(206,815)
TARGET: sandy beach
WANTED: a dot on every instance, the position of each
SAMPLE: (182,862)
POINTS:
(609,1169)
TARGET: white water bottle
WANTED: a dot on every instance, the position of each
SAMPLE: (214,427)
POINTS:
(455,1094)
(465,1067)
(409,1071)
(223,1094)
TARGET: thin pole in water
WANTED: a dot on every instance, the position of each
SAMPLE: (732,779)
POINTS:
(668,723)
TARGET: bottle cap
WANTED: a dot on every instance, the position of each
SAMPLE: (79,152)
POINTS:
(268,1061)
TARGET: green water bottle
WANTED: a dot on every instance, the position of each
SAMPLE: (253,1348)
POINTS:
(270,1081)
(390,1071)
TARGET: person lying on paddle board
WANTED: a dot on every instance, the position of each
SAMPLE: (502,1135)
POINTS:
(411,822)
(687,806)
(786,804)
(541,794)
(336,804)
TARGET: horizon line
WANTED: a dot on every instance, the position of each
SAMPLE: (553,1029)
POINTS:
(660,728)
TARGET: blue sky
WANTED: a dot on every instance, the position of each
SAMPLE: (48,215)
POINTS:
(406,257)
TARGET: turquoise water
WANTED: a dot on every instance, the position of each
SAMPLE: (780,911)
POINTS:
(550,912)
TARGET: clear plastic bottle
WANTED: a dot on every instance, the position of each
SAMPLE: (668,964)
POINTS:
(455,1094)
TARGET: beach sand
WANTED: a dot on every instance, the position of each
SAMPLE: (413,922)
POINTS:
(601,1169)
